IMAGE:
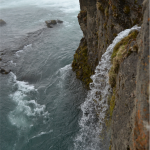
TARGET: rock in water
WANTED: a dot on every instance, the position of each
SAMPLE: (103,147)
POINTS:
(50,22)
(2,22)
(3,71)
(59,21)
(53,22)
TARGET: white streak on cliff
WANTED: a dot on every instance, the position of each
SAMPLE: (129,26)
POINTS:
(95,104)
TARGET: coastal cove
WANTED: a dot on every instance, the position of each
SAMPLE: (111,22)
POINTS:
(74,75)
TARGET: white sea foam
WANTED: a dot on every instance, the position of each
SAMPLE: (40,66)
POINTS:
(12,63)
(26,111)
(65,5)
(63,72)
(95,104)
(42,133)
(25,48)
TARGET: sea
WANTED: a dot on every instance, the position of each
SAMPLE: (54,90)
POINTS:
(40,98)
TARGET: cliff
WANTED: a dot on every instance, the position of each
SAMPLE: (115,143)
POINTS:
(101,21)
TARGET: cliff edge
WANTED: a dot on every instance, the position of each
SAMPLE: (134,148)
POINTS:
(101,21)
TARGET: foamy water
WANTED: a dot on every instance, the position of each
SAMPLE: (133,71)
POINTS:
(27,111)
(95,105)
(64,5)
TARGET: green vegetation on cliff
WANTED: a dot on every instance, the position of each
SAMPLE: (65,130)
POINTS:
(120,52)
(80,64)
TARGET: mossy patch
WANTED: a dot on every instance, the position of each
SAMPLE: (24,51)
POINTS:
(114,7)
(110,147)
(105,26)
(126,9)
(112,102)
(120,52)
(83,13)
(106,12)
(109,112)
(100,6)
(82,16)
(80,64)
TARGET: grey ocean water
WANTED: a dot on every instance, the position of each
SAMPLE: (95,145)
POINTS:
(40,98)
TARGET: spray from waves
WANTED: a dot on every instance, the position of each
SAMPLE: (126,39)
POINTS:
(27,111)
(64,72)
(64,5)
(95,105)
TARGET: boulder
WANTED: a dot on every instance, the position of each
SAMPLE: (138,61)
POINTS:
(2,22)
(3,71)
(50,23)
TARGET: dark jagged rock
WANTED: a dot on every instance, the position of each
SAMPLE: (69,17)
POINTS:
(2,22)
(3,71)
(51,23)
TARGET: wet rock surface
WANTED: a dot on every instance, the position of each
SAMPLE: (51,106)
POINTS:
(59,21)
(2,22)
(51,23)
(141,120)
(123,114)
(3,71)
(100,22)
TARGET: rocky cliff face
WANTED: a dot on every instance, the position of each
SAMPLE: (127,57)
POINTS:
(131,112)
(141,112)
(101,21)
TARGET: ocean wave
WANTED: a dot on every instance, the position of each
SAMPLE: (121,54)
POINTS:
(27,111)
